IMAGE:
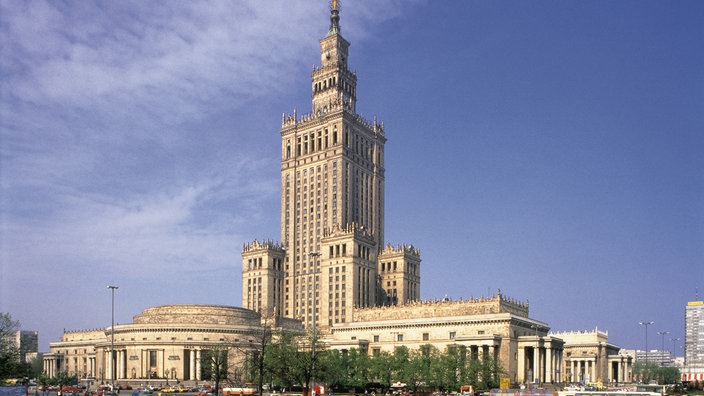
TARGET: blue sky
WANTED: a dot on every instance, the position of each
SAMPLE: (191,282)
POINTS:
(550,149)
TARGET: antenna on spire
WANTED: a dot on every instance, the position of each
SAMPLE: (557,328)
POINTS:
(334,17)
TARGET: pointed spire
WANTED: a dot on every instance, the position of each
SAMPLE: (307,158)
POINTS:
(334,17)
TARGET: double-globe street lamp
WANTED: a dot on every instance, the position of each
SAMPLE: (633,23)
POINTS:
(112,341)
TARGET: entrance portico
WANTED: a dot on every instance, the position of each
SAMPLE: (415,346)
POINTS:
(539,359)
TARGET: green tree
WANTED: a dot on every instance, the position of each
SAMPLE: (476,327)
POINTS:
(36,366)
(258,356)
(289,359)
(645,371)
(9,352)
(415,370)
(344,370)
(214,365)
(490,372)
(668,375)
(383,368)
(451,368)
(333,370)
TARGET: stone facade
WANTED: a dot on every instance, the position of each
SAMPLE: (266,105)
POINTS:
(589,357)
(164,343)
(497,326)
(330,258)
(331,270)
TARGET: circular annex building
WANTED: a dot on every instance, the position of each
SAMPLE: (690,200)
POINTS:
(167,342)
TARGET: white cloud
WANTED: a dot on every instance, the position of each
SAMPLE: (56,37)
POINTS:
(107,160)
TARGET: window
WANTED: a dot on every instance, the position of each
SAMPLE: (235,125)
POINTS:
(453,334)
(376,338)
(426,336)
(399,337)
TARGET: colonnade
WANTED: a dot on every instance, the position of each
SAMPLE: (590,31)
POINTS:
(147,362)
(480,350)
(53,364)
(539,364)
(82,367)
(582,369)
(622,368)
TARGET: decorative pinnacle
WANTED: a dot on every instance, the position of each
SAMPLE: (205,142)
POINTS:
(334,17)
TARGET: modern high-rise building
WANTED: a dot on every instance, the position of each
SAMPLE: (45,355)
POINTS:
(27,342)
(331,257)
(694,333)
(693,369)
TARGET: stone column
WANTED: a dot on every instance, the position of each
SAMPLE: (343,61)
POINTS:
(108,365)
(119,363)
(549,369)
(123,364)
(198,357)
(536,364)
(161,365)
(143,369)
(192,364)
(521,369)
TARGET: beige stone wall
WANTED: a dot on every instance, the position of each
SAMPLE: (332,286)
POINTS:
(443,308)
(83,335)
(166,340)
(588,356)
(197,314)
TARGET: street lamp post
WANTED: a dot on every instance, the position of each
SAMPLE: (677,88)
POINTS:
(112,341)
(314,256)
(662,333)
(674,345)
(646,344)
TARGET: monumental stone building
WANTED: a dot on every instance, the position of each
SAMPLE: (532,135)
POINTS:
(332,271)
(331,258)
(164,343)
(589,357)
(496,326)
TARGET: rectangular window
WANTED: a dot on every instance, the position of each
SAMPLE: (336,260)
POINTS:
(426,336)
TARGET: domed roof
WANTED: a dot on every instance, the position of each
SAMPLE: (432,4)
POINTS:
(195,314)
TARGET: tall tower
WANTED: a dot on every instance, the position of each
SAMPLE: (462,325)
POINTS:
(694,333)
(332,205)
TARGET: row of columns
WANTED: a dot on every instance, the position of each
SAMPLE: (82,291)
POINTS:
(54,364)
(582,370)
(195,364)
(480,350)
(143,368)
(623,367)
(539,364)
